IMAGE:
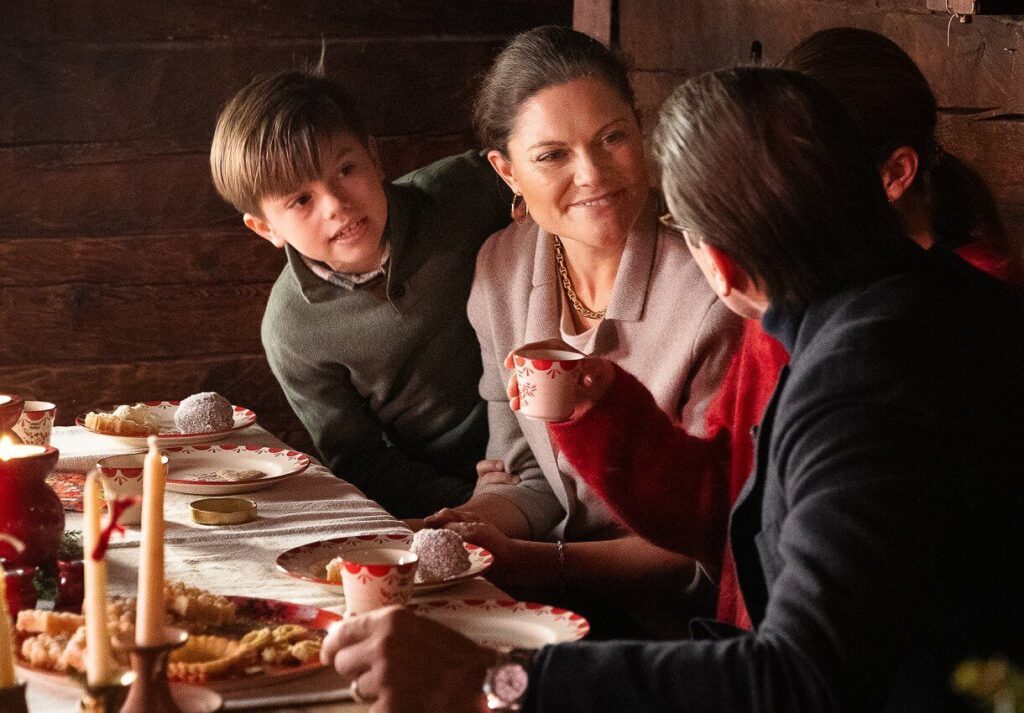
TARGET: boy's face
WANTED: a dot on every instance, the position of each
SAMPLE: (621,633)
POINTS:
(338,219)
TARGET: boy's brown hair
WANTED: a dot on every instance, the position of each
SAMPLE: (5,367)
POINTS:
(277,133)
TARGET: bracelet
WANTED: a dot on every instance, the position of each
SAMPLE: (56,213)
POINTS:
(561,565)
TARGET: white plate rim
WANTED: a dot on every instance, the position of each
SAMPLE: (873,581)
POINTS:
(299,460)
(480,560)
(566,625)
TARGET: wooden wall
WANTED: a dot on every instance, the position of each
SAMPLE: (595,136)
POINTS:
(123,276)
(978,79)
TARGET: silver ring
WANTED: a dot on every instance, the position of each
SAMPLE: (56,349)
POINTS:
(353,688)
(588,380)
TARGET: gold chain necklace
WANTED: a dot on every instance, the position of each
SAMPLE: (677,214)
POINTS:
(581,309)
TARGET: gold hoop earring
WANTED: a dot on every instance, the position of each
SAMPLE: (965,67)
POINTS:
(519,210)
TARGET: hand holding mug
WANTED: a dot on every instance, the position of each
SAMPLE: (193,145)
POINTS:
(593,376)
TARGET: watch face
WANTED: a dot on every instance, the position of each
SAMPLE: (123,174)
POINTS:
(509,682)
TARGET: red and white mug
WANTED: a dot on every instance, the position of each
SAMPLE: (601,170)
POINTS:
(377,577)
(548,380)
(35,425)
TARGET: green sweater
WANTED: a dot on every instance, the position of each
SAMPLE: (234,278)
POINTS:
(388,388)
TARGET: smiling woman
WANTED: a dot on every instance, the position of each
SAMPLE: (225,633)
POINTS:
(585,264)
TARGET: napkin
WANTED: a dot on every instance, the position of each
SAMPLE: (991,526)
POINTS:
(80,449)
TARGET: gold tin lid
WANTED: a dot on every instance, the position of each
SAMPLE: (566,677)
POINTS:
(223,511)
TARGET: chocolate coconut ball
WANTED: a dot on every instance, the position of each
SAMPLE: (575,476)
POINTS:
(442,555)
(201,413)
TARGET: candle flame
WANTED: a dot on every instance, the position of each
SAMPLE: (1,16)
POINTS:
(9,449)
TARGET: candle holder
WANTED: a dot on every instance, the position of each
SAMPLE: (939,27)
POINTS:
(12,700)
(150,692)
(107,698)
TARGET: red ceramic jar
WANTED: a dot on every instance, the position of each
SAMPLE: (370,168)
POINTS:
(21,590)
(29,509)
(10,411)
(70,586)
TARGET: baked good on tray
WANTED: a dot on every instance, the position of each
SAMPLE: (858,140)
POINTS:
(221,644)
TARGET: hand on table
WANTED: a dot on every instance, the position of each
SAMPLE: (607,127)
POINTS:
(596,375)
(403,662)
(444,516)
(486,535)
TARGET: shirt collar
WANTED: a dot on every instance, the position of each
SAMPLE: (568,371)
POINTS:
(317,288)
(348,280)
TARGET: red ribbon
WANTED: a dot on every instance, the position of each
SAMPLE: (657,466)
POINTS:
(117,508)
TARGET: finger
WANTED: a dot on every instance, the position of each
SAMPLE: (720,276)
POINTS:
(489,466)
(512,390)
(353,661)
(514,403)
(442,517)
(343,634)
(509,361)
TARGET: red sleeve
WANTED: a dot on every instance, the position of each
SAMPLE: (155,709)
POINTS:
(663,483)
(988,256)
(743,396)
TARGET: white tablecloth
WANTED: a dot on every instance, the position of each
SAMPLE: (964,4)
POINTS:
(240,559)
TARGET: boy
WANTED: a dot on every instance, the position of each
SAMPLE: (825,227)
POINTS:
(366,327)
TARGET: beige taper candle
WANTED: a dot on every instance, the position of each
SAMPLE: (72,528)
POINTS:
(98,660)
(149,614)
(7,678)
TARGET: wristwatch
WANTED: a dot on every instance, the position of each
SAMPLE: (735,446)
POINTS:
(507,680)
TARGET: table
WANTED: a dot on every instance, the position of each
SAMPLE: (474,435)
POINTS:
(240,559)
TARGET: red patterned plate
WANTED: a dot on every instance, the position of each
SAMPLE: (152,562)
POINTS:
(498,623)
(69,487)
(251,613)
(162,414)
(309,562)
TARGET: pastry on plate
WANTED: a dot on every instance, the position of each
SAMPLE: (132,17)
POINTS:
(114,425)
(205,412)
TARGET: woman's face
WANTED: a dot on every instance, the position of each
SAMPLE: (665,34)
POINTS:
(576,154)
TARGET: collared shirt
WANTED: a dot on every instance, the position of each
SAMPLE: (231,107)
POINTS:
(348,280)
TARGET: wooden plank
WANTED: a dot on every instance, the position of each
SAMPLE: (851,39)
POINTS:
(91,322)
(171,93)
(198,258)
(995,149)
(595,18)
(979,69)
(959,7)
(162,20)
(109,189)
(76,388)
(993,146)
